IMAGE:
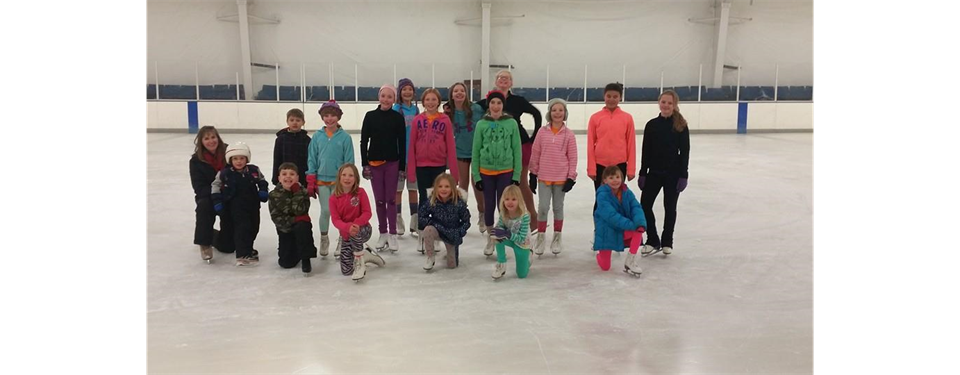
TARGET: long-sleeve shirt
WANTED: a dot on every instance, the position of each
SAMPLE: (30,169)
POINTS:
(432,145)
(519,229)
(383,137)
(663,149)
(554,156)
(348,209)
(611,140)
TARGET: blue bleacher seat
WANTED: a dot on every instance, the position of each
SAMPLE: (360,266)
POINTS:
(641,94)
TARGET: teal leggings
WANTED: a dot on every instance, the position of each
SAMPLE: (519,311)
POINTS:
(522,255)
(323,195)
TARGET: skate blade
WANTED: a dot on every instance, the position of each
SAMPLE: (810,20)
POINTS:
(651,253)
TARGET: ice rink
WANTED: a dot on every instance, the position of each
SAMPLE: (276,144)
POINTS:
(736,295)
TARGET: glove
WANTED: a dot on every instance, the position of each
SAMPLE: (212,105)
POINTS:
(681,185)
(218,207)
(568,185)
(478,185)
(533,183)
(263,196)
(367,174)
(501,233)
(515,182)
(312,185)
(640,181)
(295,187)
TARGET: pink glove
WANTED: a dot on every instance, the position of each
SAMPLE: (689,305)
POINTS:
(312,185)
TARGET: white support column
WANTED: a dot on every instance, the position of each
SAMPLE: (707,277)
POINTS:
(700,84)
(547,95)
(661,82)
(245,49)
(332,83)
(196,72)
(433,75)
(584,83)
(356,84)
(776,83)
(238,86)
(276,71)
(395,81)
(471,86)
(303,84)
(485,49)
(721,50)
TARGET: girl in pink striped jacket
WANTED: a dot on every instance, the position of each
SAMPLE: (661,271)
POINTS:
(554,162)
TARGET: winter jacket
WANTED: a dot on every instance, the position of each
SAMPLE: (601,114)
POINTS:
(382,137)
(451,220)
(663,149)
(611,140)
(613,217)
(326,155)
(431,145)
(202,175)
(408,112)
(243,186)
(554,156)
(287,207)
(463,128)
(519,229)
(291,147)
(496,146)
(517,105)
(348,209)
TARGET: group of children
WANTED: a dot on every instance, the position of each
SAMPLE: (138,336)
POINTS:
(400,145)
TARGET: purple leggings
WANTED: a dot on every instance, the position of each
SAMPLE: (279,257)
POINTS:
(493,187)
(384,182)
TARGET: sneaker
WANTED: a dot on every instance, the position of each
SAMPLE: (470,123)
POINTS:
(667,250)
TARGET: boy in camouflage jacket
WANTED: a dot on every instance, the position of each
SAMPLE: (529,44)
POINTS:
(289,207)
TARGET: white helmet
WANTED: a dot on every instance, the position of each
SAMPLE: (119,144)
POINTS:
(238,149)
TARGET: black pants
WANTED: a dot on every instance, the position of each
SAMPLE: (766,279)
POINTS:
(296,245)
(203,232)
(598,180)
(245,222)
(651,188)
(425,177)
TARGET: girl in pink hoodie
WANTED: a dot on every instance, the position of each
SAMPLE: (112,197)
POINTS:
(432,148)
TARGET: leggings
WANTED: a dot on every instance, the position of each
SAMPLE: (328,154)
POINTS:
(351,246)
(383,180)
(522,255)
(651,188)
(493,187)
(546,194)
(323,195)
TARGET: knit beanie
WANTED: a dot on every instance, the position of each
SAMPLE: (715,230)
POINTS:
(331,106)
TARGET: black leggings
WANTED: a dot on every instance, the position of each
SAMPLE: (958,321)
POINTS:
(651,188)
(425,177)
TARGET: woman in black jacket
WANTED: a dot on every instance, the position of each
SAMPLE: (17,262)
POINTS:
(209,157)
